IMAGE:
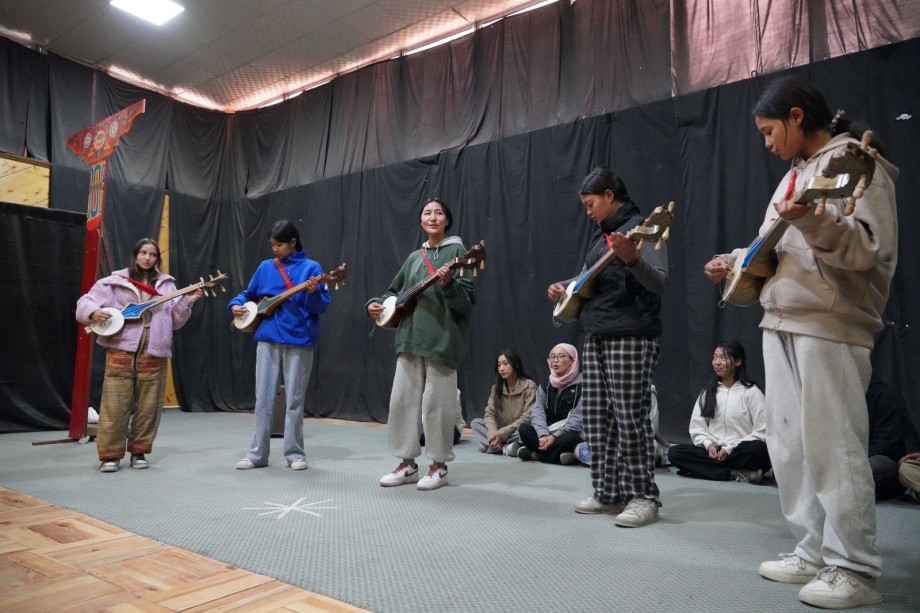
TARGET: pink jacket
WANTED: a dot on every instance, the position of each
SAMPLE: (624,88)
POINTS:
(117,292)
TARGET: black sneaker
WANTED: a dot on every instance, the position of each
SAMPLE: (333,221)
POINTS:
(526,454)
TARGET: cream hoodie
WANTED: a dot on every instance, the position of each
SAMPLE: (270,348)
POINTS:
(834,271)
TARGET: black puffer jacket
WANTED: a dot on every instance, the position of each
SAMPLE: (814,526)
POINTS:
(628,300)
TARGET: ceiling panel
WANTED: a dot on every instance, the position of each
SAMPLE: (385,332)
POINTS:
(238,54)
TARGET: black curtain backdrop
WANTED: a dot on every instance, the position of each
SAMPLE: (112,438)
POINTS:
(41,256)
(503,125)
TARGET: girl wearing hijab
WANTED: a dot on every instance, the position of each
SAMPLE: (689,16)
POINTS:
(555,422)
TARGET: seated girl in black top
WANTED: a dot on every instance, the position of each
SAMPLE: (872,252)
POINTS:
(555,423)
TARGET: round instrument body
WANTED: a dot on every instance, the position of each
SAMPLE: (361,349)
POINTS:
(742,288)
(568,307)
(242,322)
(384,320)
(110,326)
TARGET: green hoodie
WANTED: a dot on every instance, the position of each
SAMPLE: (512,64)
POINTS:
(438,328)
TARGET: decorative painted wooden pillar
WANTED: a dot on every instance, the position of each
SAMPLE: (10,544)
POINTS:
(93,145)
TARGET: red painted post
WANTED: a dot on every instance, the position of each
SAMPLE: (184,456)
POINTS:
(93,145)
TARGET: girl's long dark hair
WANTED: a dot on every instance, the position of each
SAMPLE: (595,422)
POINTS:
(785,93)
(516,364)
(735,351)
(601,179)
(283,231)
(137,273)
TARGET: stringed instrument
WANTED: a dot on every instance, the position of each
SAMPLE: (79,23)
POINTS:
(394,307)
(133,312)
(656,227)
(255,313)
(847,174)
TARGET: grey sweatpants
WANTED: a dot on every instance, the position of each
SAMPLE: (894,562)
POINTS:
(422,388)
(818,438)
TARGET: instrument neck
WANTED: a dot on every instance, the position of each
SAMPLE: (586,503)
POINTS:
(411,292)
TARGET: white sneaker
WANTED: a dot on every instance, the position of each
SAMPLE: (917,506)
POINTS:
(436,477)
(402,474)
(638,512)
(511,449)
(138,460)
(790,568)
(246,464)
(592,505)
(300,464)
(839,588)
(109,466)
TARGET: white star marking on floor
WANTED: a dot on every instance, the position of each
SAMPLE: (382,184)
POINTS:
(283,509)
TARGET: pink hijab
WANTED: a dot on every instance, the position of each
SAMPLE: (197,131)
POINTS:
(569,375)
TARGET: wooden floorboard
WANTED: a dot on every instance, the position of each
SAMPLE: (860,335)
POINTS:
(52,559)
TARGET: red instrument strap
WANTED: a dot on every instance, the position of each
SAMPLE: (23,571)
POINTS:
(284,275)
(427,263)
(791,187)
(142,286)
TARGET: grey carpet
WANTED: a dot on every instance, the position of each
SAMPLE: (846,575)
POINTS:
(502,536)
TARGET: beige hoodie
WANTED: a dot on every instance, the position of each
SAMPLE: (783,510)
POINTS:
(834,271)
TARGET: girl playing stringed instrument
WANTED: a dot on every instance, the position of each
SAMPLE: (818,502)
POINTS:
(622,328)
(431,341)
(285,341)
(135,360)
(822,308)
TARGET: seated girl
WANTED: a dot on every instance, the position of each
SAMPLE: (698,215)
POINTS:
(509,406)
(554,429)
(728,425)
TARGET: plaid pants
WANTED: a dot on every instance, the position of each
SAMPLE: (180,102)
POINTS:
(615,404)
(132,399)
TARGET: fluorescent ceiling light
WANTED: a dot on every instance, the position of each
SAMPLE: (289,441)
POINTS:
(156,12)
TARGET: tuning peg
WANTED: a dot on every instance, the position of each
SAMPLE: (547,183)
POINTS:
(475,272)
(819,210)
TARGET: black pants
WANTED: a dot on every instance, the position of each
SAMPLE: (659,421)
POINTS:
(695,461)
(565,442)
(885,475)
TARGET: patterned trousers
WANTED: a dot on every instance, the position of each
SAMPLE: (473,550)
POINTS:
(615,403)
(132,398)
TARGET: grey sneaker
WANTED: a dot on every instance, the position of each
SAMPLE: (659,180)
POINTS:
(567,458)
(436,477)
(747,476)
(592,506)
(839,588)
(402,474)
(638,512)
(139,461)
(300,464)
(109,466)
(511,449)
(790,568)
